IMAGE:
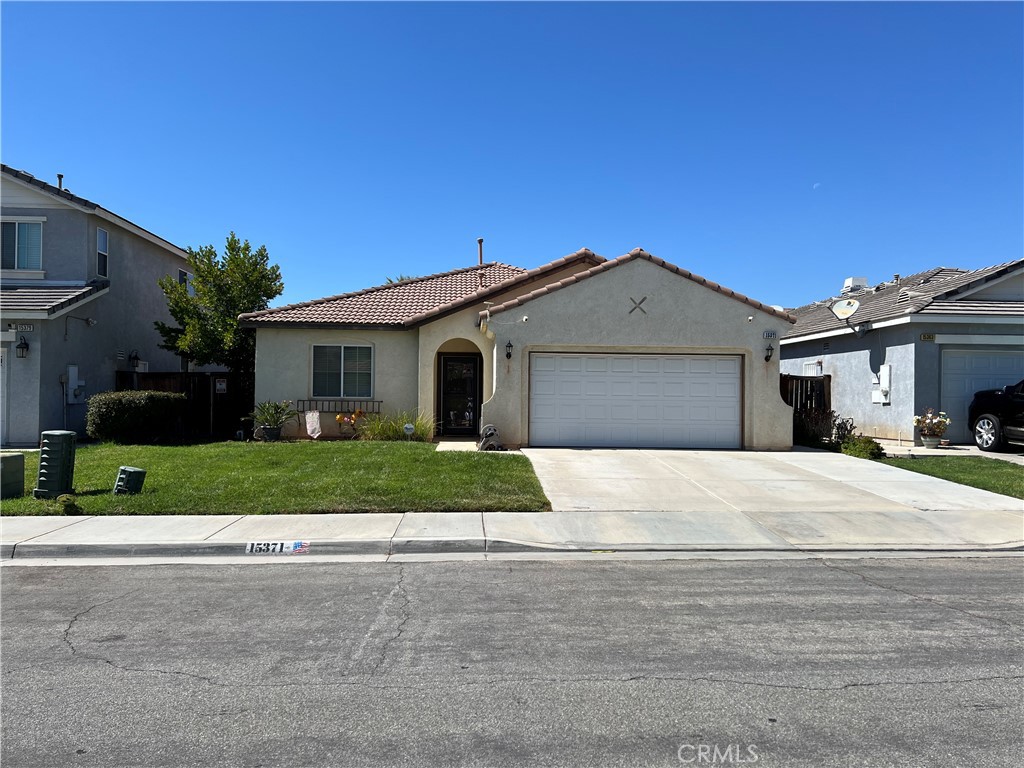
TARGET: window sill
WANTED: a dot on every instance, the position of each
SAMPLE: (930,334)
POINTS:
(23,274)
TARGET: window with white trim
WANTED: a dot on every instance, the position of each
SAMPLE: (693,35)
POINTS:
(22,245)
(342,371)
(102,265)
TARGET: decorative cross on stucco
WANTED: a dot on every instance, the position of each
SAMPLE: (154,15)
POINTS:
(636,305)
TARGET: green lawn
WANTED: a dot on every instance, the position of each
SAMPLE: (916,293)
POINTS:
(988,474)
(282,478)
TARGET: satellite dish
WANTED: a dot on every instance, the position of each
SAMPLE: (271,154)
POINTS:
(845,308)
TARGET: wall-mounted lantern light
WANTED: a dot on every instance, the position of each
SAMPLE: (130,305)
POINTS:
(508,350)
(768,352)
(133,359)
(21,348)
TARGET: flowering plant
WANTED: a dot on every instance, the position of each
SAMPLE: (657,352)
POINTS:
(932,424)
(351,420)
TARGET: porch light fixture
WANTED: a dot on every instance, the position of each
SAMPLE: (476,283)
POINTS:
(508,350)
(21,348)
(133,359)
(768,352)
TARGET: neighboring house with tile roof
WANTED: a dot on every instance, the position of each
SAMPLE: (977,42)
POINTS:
(78,293)
(929,340)
(581,351)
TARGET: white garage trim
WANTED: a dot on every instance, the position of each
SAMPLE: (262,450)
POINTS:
(625,400)
(952,338)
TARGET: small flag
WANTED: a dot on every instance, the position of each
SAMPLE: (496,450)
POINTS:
(300,548)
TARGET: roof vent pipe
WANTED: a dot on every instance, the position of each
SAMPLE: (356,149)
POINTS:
(60,181)
(480,250)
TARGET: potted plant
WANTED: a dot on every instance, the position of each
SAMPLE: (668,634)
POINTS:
(932,426)
(270,417)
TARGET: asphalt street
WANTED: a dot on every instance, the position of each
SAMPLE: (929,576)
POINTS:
(517,663)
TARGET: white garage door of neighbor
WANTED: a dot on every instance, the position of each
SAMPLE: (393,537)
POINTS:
(641,401)
(965,372)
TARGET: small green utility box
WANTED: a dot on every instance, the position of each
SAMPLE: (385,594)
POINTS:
(12,475)
(129,480)
(56,464)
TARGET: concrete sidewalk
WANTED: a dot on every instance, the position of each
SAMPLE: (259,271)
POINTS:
(603,500)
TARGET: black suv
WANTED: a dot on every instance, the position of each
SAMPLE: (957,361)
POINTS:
(996,417)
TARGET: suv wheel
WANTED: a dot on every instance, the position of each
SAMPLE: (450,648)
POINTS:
(988,433)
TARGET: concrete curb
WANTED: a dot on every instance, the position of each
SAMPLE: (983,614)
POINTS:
(425,545)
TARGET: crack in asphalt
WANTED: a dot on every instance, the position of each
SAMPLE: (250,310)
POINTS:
(66,635)
(932,601)
(397,591)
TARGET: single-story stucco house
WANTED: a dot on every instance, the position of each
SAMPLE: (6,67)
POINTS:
(582,351)
(928,340)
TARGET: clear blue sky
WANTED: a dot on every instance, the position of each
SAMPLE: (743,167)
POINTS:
(774,148)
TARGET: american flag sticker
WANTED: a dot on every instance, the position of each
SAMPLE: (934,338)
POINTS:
(300,548)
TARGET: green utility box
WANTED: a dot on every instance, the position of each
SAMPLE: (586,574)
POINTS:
(12,475)
(129,480)
(56,464)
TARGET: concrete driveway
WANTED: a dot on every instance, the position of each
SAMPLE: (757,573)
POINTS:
(803,499)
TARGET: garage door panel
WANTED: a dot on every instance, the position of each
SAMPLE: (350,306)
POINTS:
(622,388)
(635,400)
(648,389)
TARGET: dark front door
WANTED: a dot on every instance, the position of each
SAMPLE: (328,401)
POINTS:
(461,392)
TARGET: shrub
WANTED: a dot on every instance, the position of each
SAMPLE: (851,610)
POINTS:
(381,426)
(821,429)
(863,447)
(135,417)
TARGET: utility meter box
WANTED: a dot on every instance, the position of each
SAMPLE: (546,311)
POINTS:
(129,480)
(56,464)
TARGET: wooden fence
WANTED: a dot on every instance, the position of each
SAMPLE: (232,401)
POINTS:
(807,393)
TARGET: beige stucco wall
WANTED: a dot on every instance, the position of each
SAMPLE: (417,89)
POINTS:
(682,317)
(284,366)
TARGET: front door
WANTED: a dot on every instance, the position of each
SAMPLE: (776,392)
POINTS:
(461,392)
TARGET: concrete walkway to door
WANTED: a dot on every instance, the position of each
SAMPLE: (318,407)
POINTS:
(801,499)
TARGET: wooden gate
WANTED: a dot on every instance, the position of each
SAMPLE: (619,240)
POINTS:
(807,393)
(217,402)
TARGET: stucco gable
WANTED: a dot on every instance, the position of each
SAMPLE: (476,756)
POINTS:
(637,253)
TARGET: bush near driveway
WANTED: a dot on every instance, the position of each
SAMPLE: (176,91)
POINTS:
(299,477)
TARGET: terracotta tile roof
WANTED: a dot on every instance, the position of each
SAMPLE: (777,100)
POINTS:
(409,302)
(927,292)
(636,253)
(45,298)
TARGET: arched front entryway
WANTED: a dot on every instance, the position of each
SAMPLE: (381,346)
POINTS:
(459,367)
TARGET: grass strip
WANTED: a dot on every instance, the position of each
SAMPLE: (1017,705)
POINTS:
(291,478)
(978,472)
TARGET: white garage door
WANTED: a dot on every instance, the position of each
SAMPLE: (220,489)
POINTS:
(649,401)
(964,372)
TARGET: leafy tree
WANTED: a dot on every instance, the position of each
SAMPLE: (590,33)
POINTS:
(207,308)
(397,279)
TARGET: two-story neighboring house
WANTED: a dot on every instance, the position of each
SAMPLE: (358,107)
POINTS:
(78,299)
